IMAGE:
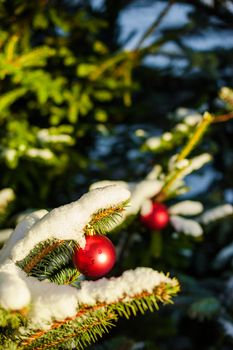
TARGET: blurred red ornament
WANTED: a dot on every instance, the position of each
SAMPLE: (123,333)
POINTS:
(157,217)
(97,258)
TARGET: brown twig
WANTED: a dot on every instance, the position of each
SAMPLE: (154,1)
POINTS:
(223,118)
(155,24)
(28,267)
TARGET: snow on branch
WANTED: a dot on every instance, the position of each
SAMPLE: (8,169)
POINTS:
(68,222)
(186,226)
(186,208)
(66,308)
(140,191)
(61,306)
(216,213)
(56,314)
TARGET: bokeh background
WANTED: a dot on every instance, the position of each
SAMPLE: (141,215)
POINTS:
(83,84)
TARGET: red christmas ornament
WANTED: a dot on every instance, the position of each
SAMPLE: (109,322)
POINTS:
(97,258)
(157,217)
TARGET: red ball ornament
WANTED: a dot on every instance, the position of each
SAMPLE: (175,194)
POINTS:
(97,258)
(157,217)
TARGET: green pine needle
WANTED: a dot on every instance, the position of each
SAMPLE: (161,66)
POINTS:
(52,260)
(105,219)
(91,322)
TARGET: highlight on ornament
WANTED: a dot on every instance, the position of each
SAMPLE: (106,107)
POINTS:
(154,215)
(97,258)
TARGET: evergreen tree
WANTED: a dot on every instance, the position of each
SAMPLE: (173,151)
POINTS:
(78,109)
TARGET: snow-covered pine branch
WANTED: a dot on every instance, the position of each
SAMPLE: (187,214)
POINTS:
(140,191)
(44,314)
(67,222)
(216,213)
(186,208)
(186,226)
(169,140)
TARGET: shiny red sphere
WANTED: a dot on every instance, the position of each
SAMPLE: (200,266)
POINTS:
(157,218)
(97,258)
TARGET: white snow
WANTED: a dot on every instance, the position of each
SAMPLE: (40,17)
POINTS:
(5,234)
(44,136)
(216,213)
(10,154)
(186,208)
(182,127)
(194,164)
(227,327)
(153,142)
(146,207)
(198,161)
(131,283)
(192,120)
(154,173)
(139,192)
(167,136)
(43,153)
(182,164)
(6,196)
(50,301)
(68,221)
(174,164)
(188,165)
(19,233)
(186,226)
(14,293)
(223,256)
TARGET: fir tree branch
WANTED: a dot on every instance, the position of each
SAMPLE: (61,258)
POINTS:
(89,317)
(223,118)
(196,136)
(67,275)
(86,337)
(103,220)
(37,254)
(198,133)
(51,260)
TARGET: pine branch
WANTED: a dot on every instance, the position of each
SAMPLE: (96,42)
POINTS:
(91,322)
(85,334)
(51,260)
(37,254)
(164,142)
(66,275)
(11,319)
(179,170)
(196,136)
(223,118)
(103,220)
